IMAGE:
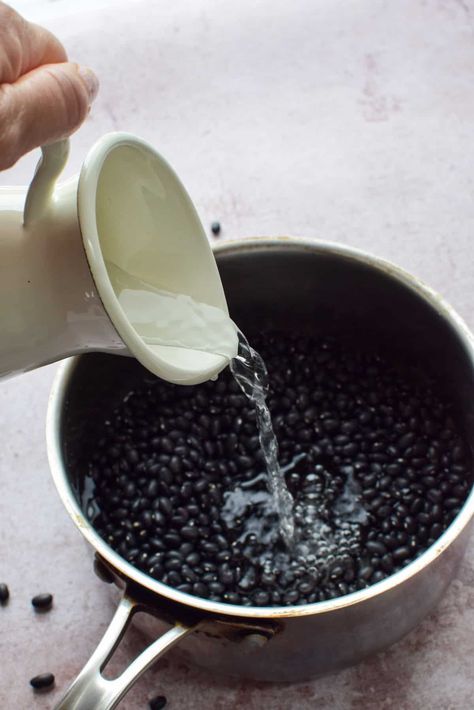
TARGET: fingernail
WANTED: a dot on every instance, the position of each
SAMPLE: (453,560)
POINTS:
(90,80)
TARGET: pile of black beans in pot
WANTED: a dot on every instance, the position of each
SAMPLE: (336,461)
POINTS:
(164,461)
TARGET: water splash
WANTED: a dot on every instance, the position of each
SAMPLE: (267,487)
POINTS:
(328,527)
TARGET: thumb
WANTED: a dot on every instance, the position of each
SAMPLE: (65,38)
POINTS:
(42,106)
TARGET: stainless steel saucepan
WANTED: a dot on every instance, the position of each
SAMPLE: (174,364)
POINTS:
(282,283)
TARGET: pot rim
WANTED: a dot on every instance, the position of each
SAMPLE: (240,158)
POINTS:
(54,449)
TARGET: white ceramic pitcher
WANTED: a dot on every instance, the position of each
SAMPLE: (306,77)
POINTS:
(126,207)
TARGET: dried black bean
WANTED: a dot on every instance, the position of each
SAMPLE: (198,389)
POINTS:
(383,511)
(384,482)
(434,495)
(406,440)
(401,553)
(200,589)
(43,681)
(232,598)
(42,602)
(409,524)
(190,532)
(173,578)
(186,491)
(172,539)
(173,564)
(209,566)
(193,558)
(175,465)
(291,597)
(147,519)
(387,563)
(4,594)
(248,581)
(132,456)
(436,512)
(366,572)
(226,575)
(416,506)
(261,598)
(216,588)
(422,532)
(449,503)
(376,547)
(188,574)
(186,588)
(166,507)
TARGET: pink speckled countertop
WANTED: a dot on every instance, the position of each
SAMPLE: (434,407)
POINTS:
(353,122)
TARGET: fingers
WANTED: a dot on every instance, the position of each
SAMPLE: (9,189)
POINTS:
(25,46)
(44,105)
(42,96)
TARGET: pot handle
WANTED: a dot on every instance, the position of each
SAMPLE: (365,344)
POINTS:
(91,689)
(51,164)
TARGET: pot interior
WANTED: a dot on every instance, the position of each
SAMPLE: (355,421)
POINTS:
(292,286)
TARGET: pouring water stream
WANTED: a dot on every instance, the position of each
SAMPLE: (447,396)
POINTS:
(163,320)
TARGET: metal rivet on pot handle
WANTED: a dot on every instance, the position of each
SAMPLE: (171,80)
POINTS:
(91,689)
(254,641)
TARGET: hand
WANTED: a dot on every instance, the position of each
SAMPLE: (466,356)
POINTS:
(43,97)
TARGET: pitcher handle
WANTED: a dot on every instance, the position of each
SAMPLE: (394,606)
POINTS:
(51,164)
(91,689)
